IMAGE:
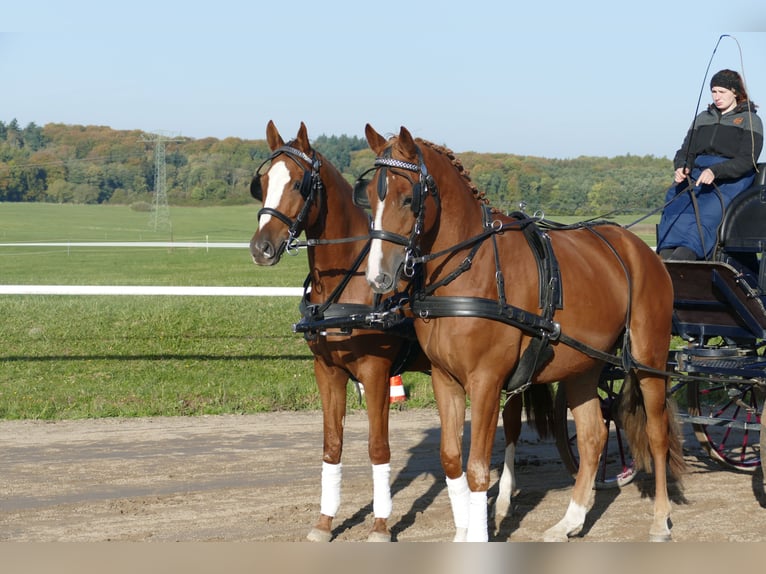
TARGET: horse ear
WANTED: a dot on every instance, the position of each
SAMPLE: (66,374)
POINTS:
(272,136)
(302,139)
(406,141)
(377,142)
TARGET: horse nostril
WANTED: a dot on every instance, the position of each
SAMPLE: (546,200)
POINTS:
(267,249)
(384,281)
(263,249)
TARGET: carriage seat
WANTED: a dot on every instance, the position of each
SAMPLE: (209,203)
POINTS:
(742,236)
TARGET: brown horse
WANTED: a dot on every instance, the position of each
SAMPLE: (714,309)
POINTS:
(601,282)
(329,218)
(303,192)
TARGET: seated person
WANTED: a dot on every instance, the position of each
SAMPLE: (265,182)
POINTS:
(722,147)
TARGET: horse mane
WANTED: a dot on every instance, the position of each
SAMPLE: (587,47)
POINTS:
(464,173)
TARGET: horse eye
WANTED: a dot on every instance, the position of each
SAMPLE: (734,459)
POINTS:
(407,201)
(297,185)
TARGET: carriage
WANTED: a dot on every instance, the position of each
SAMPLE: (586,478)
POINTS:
(715,363)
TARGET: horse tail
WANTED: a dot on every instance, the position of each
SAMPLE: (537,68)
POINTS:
(633,416)
(538,406)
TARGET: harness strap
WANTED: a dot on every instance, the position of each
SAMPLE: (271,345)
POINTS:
(309,310)
(432,306)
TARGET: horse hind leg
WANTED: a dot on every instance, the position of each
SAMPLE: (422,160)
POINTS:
(655,440)
(507,483)
(591,437)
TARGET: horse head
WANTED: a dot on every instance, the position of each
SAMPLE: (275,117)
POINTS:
(288,184)
(397,194)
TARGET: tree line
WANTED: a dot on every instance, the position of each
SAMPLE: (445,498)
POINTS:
(96,164)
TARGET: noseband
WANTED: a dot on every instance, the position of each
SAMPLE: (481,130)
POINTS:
(310,189)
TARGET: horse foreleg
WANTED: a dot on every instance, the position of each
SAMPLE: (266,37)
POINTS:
(332,390)
(329,503)
(380,454)
(450,400)
(512,431)
(485,404)
(591,436)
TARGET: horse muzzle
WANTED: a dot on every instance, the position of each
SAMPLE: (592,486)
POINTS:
(264,252)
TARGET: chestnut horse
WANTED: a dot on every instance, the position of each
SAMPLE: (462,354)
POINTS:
(605,282)
(302,192)
(337,237)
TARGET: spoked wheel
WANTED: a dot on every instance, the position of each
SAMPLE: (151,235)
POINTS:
(616,466)
(733,437)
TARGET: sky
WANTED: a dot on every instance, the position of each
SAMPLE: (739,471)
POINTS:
(548,79)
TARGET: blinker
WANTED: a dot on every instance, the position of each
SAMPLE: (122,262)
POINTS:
(360,193)
(255,187)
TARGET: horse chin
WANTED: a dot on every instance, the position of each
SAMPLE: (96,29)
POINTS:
(262,261)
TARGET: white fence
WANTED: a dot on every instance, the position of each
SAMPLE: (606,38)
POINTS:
(150,290)
(219,291)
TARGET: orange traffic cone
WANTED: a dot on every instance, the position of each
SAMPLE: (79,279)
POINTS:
(396,394)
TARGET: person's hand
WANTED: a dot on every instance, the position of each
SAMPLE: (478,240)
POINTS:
(680,174)
(706,177)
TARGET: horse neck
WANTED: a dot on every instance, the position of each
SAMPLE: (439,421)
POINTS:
(339,218)
(461,213)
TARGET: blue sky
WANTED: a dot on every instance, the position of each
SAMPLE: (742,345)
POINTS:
(598,78)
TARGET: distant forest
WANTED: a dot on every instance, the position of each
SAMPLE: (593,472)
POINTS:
(94,164)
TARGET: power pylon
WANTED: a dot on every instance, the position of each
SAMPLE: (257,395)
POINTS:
(160,218)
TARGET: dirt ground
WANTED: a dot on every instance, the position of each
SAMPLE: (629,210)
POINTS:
(256,478)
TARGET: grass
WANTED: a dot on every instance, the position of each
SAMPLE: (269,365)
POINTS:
(68,357)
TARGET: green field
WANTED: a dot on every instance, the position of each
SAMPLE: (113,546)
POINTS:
(98,356)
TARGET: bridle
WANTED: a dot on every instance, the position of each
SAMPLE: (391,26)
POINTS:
(421,188)
(310,190)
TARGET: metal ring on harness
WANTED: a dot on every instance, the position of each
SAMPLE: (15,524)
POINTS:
(293,246)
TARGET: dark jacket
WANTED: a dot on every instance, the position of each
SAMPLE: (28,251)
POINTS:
(724,135)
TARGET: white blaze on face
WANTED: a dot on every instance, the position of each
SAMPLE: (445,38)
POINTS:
(279,177)
(374,260)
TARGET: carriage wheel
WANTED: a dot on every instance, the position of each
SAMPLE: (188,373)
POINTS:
(733,406)
(616,466)
(763,448)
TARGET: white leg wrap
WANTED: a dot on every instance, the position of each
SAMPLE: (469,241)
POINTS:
(331,475)
(459,496)
(477,517)
(381,490)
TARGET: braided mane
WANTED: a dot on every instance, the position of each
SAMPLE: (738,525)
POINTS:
(464,173)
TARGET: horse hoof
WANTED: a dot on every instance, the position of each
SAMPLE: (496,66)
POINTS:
(317,535)
(666,537)
(461,535)
(378,537)
(555,535)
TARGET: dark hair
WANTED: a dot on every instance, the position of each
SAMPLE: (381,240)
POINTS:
(730,80)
